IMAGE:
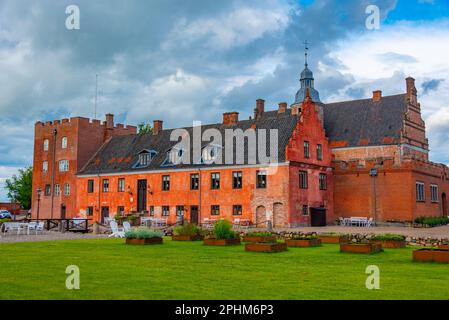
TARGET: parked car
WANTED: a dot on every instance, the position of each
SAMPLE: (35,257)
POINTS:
(5,214)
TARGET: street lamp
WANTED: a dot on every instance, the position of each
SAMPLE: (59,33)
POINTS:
(39,191)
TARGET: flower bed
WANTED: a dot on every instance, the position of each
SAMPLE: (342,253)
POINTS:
(187,232)
(223,235)
(187,238)
(391,241)
(303,241)
(259,237)
(366,248)
(443,247)
(143,237)
(266,247)
(431,255)
(334,238)
(221,242)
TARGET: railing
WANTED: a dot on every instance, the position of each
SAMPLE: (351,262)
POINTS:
(67,225)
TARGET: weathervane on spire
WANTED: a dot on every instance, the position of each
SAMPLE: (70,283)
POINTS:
(306,44)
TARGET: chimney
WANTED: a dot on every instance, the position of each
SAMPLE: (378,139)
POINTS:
(412,93)
(230,118)
(377,95)
(260,109)
(109,121)
(282,107)
(157,126)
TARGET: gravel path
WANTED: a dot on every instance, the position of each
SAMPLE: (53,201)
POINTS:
(48,236)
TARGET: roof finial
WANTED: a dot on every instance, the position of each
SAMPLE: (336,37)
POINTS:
(306,44)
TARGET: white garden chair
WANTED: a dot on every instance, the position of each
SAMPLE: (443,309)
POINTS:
(126,226)
(370,223)
(36,227)
(116,231)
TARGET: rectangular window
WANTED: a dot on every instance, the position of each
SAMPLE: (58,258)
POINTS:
(46,144)
(47,190)
(45,166)
(323,181)
(105,185)
(121,211)
(420,197)
(214,210)
(215,181)
(305,210)
(152,211)
(165,183)
(303,180)
(306,149)
(237,180)
(90,211)
(67,189)
(57,190)
(90,186)
(121,185)
(319,152)
(237,210)
(63,165)
(261,179)
(434,193)
(165,211)
(179,211)
(64,143)
(194,181)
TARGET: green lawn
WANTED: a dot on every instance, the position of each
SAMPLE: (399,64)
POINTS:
(178,270)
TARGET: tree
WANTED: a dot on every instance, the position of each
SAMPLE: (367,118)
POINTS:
(20,187)
(145,128)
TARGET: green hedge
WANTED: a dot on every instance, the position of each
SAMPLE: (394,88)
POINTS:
(388,237)
(432,221)
(143,234)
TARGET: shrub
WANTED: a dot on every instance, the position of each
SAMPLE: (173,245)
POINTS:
(132,218)
(388,237)
(432,221)
(188,230)
(143,234)
(2,221)
(334,234)
(259,234)
(223,230)
(304,237)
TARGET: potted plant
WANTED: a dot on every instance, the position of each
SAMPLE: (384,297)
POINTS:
(143,237)
(392,241)
(334,238)
(223,235)
(303,241)
(133,220)
(187,232)
(267,247)
(259,237)
(431,255)
(366,248)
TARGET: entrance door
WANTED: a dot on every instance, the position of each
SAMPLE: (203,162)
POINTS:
(141,195)
(318,217)
(444,204)
(104,213)
(63,211)
(194,214)
(261,217)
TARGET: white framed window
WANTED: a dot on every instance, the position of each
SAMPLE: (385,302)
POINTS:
(46,144)
(145,158)
(64,143)
(57,190)
(67,189)
(420,194)
(434,193)
(174,157)
(63,165)
(45,166)
(211,153)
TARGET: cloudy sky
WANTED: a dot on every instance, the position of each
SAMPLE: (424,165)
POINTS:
(194,59)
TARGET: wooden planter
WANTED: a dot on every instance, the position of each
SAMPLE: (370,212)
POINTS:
(259,239)
(144,241)
(266,247)
(334,239)
(187,238)
(303,243)
(221,242)
(391,244)
(431,255)
(367,248)
(443,246)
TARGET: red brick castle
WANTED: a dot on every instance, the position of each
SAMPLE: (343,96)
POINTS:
(365,158)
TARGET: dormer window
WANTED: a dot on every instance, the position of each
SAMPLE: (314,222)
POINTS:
(211,153)
(174,157)
(145,158)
